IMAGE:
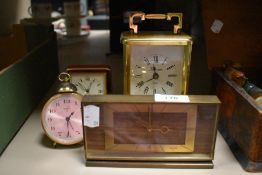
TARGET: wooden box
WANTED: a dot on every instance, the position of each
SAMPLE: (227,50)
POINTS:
(141,131)
(239,40)
(240,123)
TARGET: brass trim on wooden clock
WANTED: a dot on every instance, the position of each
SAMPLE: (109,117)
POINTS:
(172,134)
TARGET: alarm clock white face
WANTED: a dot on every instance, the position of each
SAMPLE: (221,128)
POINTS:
(156,69)
(89,82)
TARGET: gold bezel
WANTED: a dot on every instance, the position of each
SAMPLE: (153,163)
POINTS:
(43,116)
(152,39)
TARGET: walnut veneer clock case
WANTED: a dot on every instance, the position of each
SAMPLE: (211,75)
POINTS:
(136,131)
(156,62)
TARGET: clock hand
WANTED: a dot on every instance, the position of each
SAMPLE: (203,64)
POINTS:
(89,87)
(68,118)
(155,74)
(71,125)
(154,68)
(68,134)
(81,86)
(149,80)
(142,124)
(149,119)
(163,129)
(67,125)
(155,77)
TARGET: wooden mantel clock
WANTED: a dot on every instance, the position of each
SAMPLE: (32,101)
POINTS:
(143,131)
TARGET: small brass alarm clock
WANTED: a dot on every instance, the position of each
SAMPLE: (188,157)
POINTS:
(156,62)
(61,115)
(90,79)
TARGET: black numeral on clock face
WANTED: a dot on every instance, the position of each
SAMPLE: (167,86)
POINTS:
(154,91)
(146,61)
(59,133)
(138,67)
(66,101)
(138,76)
(146,90)
(172,75)
(52,111)
(169,84)
(49,119)
(164,61)
(164,91)
(155,59)
(140,84)
(170,67)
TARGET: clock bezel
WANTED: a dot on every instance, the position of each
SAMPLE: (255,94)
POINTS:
(43,116)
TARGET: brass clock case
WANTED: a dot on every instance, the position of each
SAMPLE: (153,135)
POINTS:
(156,62)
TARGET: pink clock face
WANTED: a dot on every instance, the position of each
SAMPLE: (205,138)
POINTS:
(62,118)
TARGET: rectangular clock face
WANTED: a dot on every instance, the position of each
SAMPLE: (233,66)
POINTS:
(89,83)
(149,128)
(156,69)
(138,128)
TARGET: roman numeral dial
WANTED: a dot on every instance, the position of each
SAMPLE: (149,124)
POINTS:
(155,73)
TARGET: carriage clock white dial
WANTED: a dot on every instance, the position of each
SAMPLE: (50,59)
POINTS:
(157,73)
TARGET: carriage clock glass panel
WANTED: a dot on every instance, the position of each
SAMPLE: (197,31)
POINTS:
(156,69)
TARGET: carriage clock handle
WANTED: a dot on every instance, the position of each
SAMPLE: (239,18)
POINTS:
(144,16)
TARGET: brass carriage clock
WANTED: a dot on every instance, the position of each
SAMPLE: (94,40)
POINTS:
(156,62)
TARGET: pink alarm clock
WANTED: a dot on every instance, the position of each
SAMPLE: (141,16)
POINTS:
(62,118)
